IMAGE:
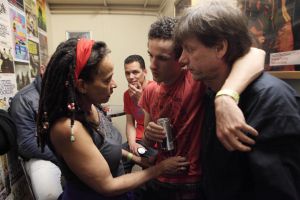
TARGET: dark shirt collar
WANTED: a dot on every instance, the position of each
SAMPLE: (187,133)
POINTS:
(210,94)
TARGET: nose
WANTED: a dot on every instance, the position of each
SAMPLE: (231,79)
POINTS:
(183,59)
(153,64)
(131,75)
(113,84)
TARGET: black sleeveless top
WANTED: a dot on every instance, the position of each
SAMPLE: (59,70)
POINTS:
(109,142)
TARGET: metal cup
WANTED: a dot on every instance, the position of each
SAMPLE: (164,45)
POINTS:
(168,141)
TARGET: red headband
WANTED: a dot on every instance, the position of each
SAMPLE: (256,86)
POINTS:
(83,52)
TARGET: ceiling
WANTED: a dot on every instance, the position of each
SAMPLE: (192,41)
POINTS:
(106,5)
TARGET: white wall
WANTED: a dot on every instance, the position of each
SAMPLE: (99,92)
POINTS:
(169,9)
(124,35)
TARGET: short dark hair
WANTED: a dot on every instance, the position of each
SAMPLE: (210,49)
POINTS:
(213,22)
(135,58)
(164,29)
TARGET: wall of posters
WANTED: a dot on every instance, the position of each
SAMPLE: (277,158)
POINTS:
(20,59)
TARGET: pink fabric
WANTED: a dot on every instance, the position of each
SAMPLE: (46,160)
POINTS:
(83,52)
(182,102)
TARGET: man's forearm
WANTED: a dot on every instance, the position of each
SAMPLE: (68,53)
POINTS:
(131,135)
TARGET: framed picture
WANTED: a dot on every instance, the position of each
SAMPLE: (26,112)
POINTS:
(275,27)
(79,34)
(180,5)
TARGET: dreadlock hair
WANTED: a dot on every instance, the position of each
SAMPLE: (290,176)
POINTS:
(58,95)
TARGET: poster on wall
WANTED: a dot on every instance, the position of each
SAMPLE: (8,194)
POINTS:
(79,34)
(41,14)
(6,57)
(31,19)
(6,60)
(4,178)
(19,34)
(17,3)
(22,73)
(43,49)
(7,89)
(275,28)
(34,58)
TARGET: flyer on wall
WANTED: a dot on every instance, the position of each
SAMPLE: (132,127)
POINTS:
(8,89)
(19,34)
(6,52)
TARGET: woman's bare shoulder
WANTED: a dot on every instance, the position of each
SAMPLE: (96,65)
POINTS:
(61,131)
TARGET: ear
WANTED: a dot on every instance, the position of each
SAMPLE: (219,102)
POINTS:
(145,71)
(42,70)
(221,49)
(81,86)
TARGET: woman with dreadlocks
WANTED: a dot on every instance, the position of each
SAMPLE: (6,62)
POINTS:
(88,147)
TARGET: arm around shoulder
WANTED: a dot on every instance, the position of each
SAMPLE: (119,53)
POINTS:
(230,120)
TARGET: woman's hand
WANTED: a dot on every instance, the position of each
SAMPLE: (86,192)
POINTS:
(144,162)
(173,165)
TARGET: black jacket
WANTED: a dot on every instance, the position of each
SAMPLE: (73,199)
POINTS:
(272,169)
